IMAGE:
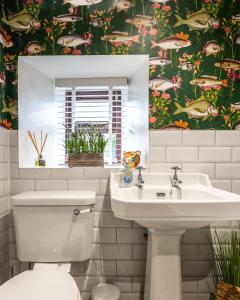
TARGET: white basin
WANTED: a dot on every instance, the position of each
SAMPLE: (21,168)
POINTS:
(167,217)
(200,205)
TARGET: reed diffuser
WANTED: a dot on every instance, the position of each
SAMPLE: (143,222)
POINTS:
(39,162)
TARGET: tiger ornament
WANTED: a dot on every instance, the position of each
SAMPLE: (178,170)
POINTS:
(132,158)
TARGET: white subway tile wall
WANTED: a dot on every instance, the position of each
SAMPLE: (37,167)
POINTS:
(4,205)
(119,246)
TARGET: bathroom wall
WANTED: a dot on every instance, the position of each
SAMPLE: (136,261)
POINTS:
(4,205)
(119,247)
(204,47)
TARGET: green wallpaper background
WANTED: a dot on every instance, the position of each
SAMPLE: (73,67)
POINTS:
(195,73)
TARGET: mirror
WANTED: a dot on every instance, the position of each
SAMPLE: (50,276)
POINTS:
(58,94)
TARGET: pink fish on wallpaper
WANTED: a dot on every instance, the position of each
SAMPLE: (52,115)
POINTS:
(82,2)
(2,79)
(160,1)
(212,48)
(5,39)
(123,5)
(34,48)
(142,20)
(171,43)
(72,41)
(67,18)
(164,84)
(159,61)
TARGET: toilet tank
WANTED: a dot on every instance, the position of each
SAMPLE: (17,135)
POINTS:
(53,226)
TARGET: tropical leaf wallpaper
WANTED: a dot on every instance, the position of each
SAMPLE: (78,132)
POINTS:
(193,45)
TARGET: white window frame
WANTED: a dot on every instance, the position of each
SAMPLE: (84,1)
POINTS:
(75,87)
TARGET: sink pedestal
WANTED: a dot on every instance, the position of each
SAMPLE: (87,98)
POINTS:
(163,273)
(167,219)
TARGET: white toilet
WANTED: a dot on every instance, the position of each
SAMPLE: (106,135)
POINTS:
(52,229)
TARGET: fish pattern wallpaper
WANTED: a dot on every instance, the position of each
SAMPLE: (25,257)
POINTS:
(193,48)
(2,78)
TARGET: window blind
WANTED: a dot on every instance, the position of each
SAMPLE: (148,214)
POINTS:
(103,106)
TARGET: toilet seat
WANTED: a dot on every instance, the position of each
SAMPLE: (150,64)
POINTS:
(40,285)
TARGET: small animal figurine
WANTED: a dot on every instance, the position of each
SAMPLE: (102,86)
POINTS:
(132,158)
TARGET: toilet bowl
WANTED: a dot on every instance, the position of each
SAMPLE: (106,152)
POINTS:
(40,285)
(52,228)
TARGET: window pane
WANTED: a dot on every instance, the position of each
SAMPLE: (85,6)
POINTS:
(100,106)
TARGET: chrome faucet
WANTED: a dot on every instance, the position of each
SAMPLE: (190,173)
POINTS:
(140,180)
(175,182)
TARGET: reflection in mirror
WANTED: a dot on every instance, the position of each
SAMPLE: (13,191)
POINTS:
(100,99)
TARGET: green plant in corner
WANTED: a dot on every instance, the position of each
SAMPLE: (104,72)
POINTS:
(226,252)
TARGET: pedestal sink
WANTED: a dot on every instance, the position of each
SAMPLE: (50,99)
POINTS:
(167,217)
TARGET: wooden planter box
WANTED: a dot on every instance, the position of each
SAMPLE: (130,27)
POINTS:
(85,159)
(227,291)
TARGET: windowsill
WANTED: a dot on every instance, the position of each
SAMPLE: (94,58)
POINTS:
(111,167)
(118,166)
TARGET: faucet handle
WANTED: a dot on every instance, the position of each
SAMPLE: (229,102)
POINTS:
(175,175)
(140,168)
(176,168)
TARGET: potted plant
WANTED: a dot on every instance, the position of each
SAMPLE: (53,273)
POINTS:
(226,252)
(85,147)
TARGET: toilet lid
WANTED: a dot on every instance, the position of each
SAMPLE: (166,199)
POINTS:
(40,285)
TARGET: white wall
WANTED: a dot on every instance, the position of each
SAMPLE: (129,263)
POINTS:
(4,172)
(36,112)
(4,205)
(37,102)
(119,246)
(138,132)
(216,153)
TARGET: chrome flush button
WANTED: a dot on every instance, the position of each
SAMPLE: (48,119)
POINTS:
(160,195)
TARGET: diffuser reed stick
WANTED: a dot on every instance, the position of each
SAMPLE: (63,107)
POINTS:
(43,144)
(41,137)
(33,141)
(39,148)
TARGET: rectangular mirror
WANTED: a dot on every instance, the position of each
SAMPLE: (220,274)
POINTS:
(61,94)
